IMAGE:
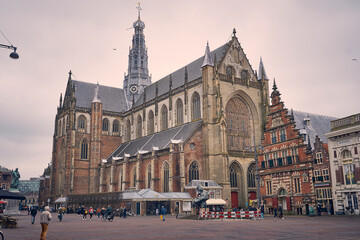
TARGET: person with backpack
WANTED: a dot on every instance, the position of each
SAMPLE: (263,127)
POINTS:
(91,212)
(85,212)
(33,213)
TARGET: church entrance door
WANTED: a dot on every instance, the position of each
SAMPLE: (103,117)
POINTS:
(234,200)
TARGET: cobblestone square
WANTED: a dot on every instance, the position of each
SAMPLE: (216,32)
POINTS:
(150,227)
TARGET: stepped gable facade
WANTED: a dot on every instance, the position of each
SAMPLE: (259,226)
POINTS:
(285,163)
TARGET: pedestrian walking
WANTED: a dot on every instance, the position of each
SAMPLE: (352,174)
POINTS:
(328,208)
(281,212)
(85,212)
(45,218)
(33,212)
(262,210)
(121,212)
(275,212)
(318,208)
(177,211)
(163,212)
(98,211)
(125,213)
(91,212)
(61,214)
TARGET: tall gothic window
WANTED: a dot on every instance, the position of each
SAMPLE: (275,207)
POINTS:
(59,128)
(164,118)
(179,112)
(149,176)
(134,177)
(150,125)
(166,177)
(82,122)
(139,127)
(84,149)
(195,107)
(105,125)
(251,175)
(234,175)
(239,121)
(193,171)
(116,128)
(128,130)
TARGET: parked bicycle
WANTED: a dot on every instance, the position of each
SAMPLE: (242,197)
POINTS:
(109,217)
(1,235)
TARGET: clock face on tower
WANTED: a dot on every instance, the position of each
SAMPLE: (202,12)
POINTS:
(134,88)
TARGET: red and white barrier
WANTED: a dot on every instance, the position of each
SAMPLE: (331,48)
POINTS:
(231,215)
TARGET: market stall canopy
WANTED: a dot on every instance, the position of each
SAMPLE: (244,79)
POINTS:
(61,200)
(218,201)
(1,202)
(10,195)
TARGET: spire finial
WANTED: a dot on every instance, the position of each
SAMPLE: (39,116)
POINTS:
(234,32)
(207,57)
(139,9)
(96,95)
(70,75)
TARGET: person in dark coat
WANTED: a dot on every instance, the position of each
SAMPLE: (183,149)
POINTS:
(318,208)
(124,213)
(281,212)
(262,210)
(163,212)
(177,211)
(33,213)
(275,212)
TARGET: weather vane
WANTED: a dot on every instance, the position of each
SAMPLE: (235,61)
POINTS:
(139,8)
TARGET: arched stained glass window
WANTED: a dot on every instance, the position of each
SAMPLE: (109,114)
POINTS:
(105,125)
(164,118)
(139,127)
(195,107)
(193,171)
(150,127)
(84,149)
(179,112)
(166,177)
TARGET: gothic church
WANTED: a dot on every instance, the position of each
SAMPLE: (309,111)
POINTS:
(197,123)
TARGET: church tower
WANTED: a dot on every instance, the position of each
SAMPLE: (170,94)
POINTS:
(138,74)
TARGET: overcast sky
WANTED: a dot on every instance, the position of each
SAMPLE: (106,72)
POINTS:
(308,46)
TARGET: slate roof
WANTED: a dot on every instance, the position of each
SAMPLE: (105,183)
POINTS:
(178,77)
(161,140)
(319,125)
(113,99)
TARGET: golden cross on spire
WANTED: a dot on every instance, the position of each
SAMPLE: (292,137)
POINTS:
(139,8)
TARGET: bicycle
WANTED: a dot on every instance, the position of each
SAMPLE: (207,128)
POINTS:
(1,235)
(109,217)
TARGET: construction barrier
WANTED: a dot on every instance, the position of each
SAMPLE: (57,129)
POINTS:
(231,215)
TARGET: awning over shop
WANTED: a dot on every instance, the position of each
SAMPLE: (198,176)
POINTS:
(10,195)
(61,200)
(213,201)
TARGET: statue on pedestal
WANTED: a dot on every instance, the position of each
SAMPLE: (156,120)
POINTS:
(202,196)
(15,179)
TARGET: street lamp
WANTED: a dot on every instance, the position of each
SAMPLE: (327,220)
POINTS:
(14,54)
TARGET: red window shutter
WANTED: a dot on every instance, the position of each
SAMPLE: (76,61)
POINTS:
(288,203)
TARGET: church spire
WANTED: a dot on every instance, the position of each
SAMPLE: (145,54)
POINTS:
(138,76)
(207,57)
(262,73)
